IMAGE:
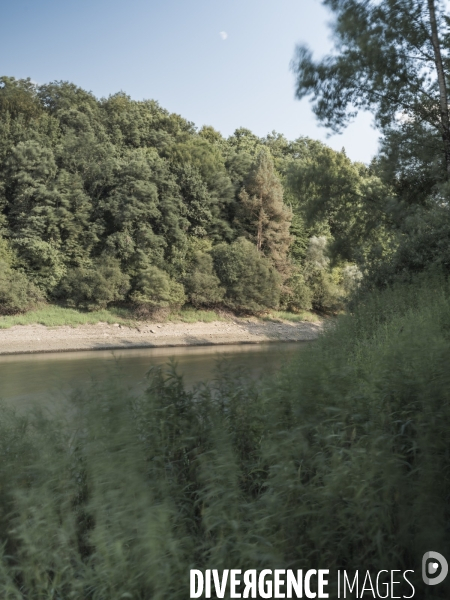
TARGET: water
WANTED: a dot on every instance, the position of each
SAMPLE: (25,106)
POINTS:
(48,379)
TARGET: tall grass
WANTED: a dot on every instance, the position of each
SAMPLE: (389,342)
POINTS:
(298,317)
(194,315)
(342,461)
(52,315)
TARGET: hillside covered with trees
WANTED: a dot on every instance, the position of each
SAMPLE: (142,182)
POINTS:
(118,201)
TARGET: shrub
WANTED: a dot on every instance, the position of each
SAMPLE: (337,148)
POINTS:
(154,289)
(96,286)
(202,284)
(251,282)
(297,294)
(7,255)
(322,281)
(326,295)
(423,244)
(43,261)
(351,278)
(17,293)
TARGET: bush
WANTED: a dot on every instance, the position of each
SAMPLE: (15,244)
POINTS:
(202,284)
(154,289)
(351,279)
(422,245)
(297,294)
(17,293)
(325,292)
(326,295)
(43,261)
(96,286)
(251,282)
(7,255)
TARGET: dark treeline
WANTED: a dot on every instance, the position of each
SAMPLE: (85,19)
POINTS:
(114,200)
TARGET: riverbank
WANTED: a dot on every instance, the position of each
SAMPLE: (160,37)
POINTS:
(24,339)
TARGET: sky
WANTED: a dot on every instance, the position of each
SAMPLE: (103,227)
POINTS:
(224,63)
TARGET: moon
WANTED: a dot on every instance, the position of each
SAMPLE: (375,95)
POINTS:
(223,35)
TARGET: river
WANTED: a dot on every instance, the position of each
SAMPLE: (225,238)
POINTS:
(47,379)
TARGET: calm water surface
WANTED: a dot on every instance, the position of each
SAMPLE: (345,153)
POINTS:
(49,378)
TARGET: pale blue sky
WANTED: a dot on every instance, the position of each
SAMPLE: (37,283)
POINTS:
(172,51)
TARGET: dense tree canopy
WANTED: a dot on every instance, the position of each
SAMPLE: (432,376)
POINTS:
(114,200)
(391,57)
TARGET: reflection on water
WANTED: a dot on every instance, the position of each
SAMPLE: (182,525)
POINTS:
(30,378)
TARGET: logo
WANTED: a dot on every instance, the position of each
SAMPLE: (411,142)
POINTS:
(434,568)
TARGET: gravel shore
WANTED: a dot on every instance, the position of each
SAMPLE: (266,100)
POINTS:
(22,339)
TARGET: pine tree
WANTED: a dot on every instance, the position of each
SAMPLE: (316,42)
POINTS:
(262,212)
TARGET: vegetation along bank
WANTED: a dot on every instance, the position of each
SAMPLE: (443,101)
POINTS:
(118,203)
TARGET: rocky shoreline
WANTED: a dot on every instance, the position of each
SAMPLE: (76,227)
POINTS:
(28,339)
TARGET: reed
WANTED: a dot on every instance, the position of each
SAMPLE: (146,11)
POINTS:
(340,461)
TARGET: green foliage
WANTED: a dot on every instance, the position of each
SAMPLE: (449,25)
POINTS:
(18,97)
(42,260)
(384,62)
(192,315)
(298,294)
(299,236)
(17,293)
(6,254)
(344,452)
(422,244)
(295,317)
(96,286)
(334,197)
(82,178)
(52,315)
(391,58)
(251,283)
(202,284)
(261,213)
(155,289)
(326,294)
(315,284)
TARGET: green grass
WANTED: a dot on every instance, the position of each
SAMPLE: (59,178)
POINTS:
(191,315)
(54,316)
(283,315)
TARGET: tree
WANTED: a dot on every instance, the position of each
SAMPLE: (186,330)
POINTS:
(262,212)
(155,289)
(17,293)
(202,284)
(391,58)
(98,195)
(96,286)
(344,201)
(18,97)
(251,282)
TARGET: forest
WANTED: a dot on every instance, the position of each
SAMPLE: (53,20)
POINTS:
(341,460)
(117,201)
